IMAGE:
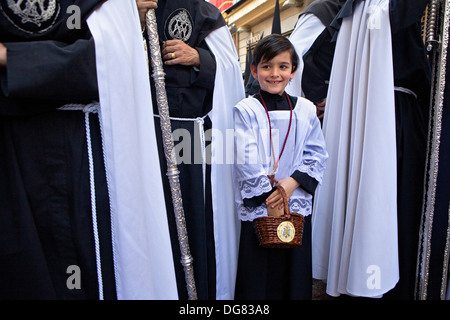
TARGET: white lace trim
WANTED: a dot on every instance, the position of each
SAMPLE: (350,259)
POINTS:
(313,168)
(254,187)
(299,205)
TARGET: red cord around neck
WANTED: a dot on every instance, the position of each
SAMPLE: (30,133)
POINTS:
(275,162)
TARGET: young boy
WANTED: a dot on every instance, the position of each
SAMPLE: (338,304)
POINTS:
(281,136)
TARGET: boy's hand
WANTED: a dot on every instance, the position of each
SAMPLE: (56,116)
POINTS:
(276,211)
(276,199)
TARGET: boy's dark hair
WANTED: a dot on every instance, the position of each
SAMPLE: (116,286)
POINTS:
(272,45)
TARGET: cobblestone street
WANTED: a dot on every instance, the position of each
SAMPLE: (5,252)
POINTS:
(319,291)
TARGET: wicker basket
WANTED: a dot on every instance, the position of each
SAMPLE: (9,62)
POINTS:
(285,231)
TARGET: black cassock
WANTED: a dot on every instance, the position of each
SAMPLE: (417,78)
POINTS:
(45,200)
(189,93)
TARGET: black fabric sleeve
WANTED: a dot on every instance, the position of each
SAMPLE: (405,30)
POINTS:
(51,70)
(205,75)
(257,200)
(307,183)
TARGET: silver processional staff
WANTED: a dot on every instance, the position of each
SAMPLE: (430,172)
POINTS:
(172,170)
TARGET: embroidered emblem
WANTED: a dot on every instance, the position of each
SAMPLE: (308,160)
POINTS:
(32,15)
(286,231)
(179,25)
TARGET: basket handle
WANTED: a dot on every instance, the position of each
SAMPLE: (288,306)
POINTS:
(285,200)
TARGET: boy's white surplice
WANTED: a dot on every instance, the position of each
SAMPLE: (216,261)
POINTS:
(304,151)
(354,233)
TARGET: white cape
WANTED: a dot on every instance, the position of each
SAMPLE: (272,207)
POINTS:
(354,233)
(142,251)
(228,91)
(306,31)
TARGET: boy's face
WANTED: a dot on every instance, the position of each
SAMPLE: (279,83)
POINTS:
(274,75)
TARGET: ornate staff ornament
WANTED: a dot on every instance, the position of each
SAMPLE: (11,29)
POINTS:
(172,170)
(431,24)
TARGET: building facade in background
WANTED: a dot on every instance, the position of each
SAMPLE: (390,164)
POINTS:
(223,4)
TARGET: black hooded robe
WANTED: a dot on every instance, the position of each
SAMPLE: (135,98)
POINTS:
(46,229)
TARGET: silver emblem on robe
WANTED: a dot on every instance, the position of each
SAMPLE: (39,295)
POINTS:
(179,25)
(34,11)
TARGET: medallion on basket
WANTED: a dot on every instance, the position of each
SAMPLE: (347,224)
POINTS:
(286,231)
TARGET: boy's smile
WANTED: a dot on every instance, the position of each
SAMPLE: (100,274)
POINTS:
(274,75)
